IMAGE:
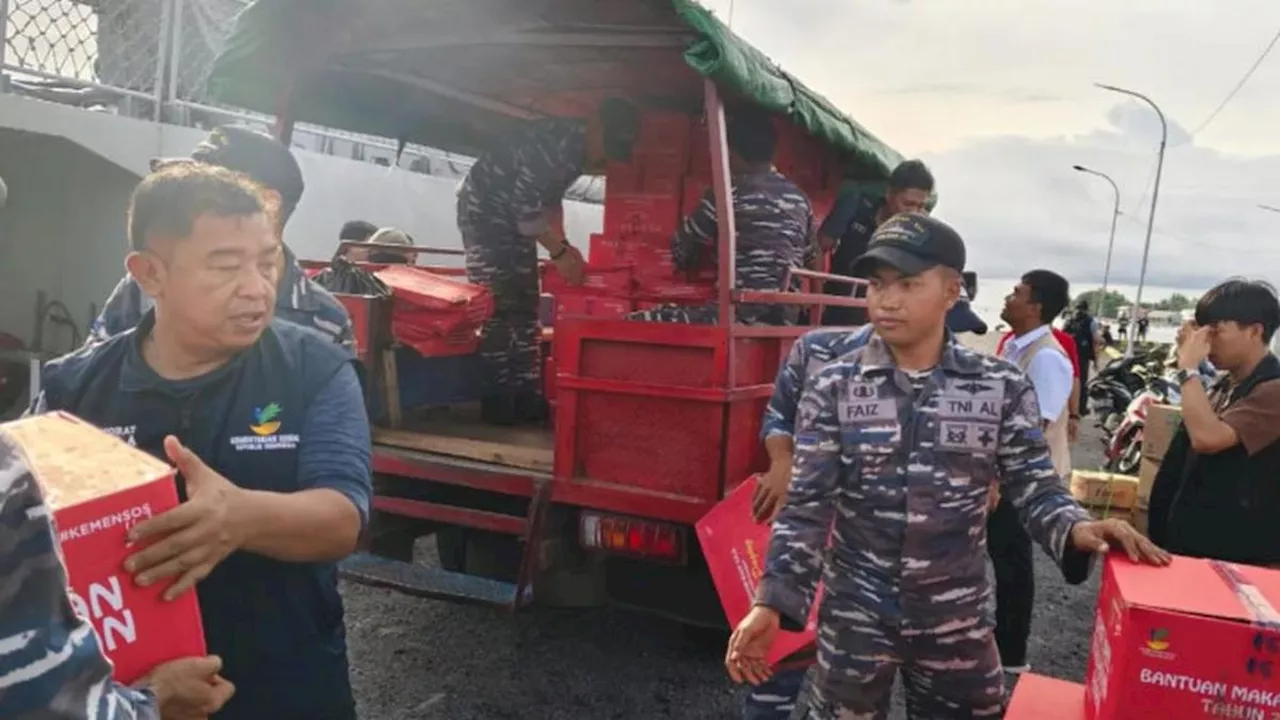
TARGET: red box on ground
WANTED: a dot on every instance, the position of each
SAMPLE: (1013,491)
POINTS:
(736,547)
(1196,639)
(98,487)
(1041,698)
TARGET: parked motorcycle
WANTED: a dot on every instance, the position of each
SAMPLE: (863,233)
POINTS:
(1124,446)
(1113,389)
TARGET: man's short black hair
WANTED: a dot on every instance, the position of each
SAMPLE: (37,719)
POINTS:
(911,175)
(360,230)
(1050,291)
(752,134)
(970,279)
(168,201)
(1244,302)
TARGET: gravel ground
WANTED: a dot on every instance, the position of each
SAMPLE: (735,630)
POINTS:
(415,658)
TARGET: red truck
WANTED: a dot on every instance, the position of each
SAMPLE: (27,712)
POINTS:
(653,423)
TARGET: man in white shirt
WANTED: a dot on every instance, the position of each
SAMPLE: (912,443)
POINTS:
(1029,309)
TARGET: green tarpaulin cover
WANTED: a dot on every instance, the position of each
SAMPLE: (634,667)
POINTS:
(455,74)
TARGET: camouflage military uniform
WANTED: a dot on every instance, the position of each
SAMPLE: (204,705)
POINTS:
(502,210)
(50,663)
(901,464)
(775,227)
(299,300)
(775,699)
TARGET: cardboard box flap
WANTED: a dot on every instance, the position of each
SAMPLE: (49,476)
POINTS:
(75,462)
(1193,586)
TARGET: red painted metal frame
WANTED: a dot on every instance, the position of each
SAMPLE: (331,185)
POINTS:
(585,493)
(451,514)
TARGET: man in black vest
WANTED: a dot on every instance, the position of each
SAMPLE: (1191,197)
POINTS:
(1215,495)
(266,424)
(848,229)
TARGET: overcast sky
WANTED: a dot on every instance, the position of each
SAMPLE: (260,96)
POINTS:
(997,96)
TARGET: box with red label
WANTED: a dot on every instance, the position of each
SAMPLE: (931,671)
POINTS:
(736,547)
(593,306)
(664,178)
(98,487)
(603,250)
(615,279)
(629,214)
(1041,698)
(1196,639)
(658,278)
(622,178)
(664,134)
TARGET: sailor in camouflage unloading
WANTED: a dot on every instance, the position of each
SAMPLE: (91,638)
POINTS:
(896,445)
(775,227)
(504,209)
(776,698)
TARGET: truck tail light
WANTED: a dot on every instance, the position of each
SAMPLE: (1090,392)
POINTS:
(632,536)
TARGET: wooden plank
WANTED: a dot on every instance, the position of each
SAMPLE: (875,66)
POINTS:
(459,433)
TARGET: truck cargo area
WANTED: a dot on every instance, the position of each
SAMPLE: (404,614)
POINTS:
(458,432)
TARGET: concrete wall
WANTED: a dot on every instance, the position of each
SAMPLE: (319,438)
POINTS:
(62,230)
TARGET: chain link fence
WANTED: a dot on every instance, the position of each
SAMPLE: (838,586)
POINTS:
(152,58)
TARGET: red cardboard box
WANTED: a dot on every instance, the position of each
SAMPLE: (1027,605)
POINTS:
(98,487)
(694,190)
(593,306)
(598,280)
(622,178)
(1040,698)
(603,250)
(628,215)
(1190,640)
(735,547)
(664,134)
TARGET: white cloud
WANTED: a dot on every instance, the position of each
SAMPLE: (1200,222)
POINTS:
(997,96)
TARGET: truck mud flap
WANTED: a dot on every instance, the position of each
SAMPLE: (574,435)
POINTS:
(432,582)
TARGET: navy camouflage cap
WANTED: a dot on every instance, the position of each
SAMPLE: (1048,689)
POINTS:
(912,243)
(252,152)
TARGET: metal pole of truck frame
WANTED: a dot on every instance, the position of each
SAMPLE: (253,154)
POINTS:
(726,228)
(1111,244)
(1151,220)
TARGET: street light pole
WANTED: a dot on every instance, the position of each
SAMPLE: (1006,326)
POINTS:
(1115,215)
(1155,194)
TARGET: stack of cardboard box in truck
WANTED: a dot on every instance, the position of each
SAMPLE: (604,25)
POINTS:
(629,263)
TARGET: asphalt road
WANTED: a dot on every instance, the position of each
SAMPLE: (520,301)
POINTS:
(415,658)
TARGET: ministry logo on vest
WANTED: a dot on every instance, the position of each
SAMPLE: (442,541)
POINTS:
(266,432)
